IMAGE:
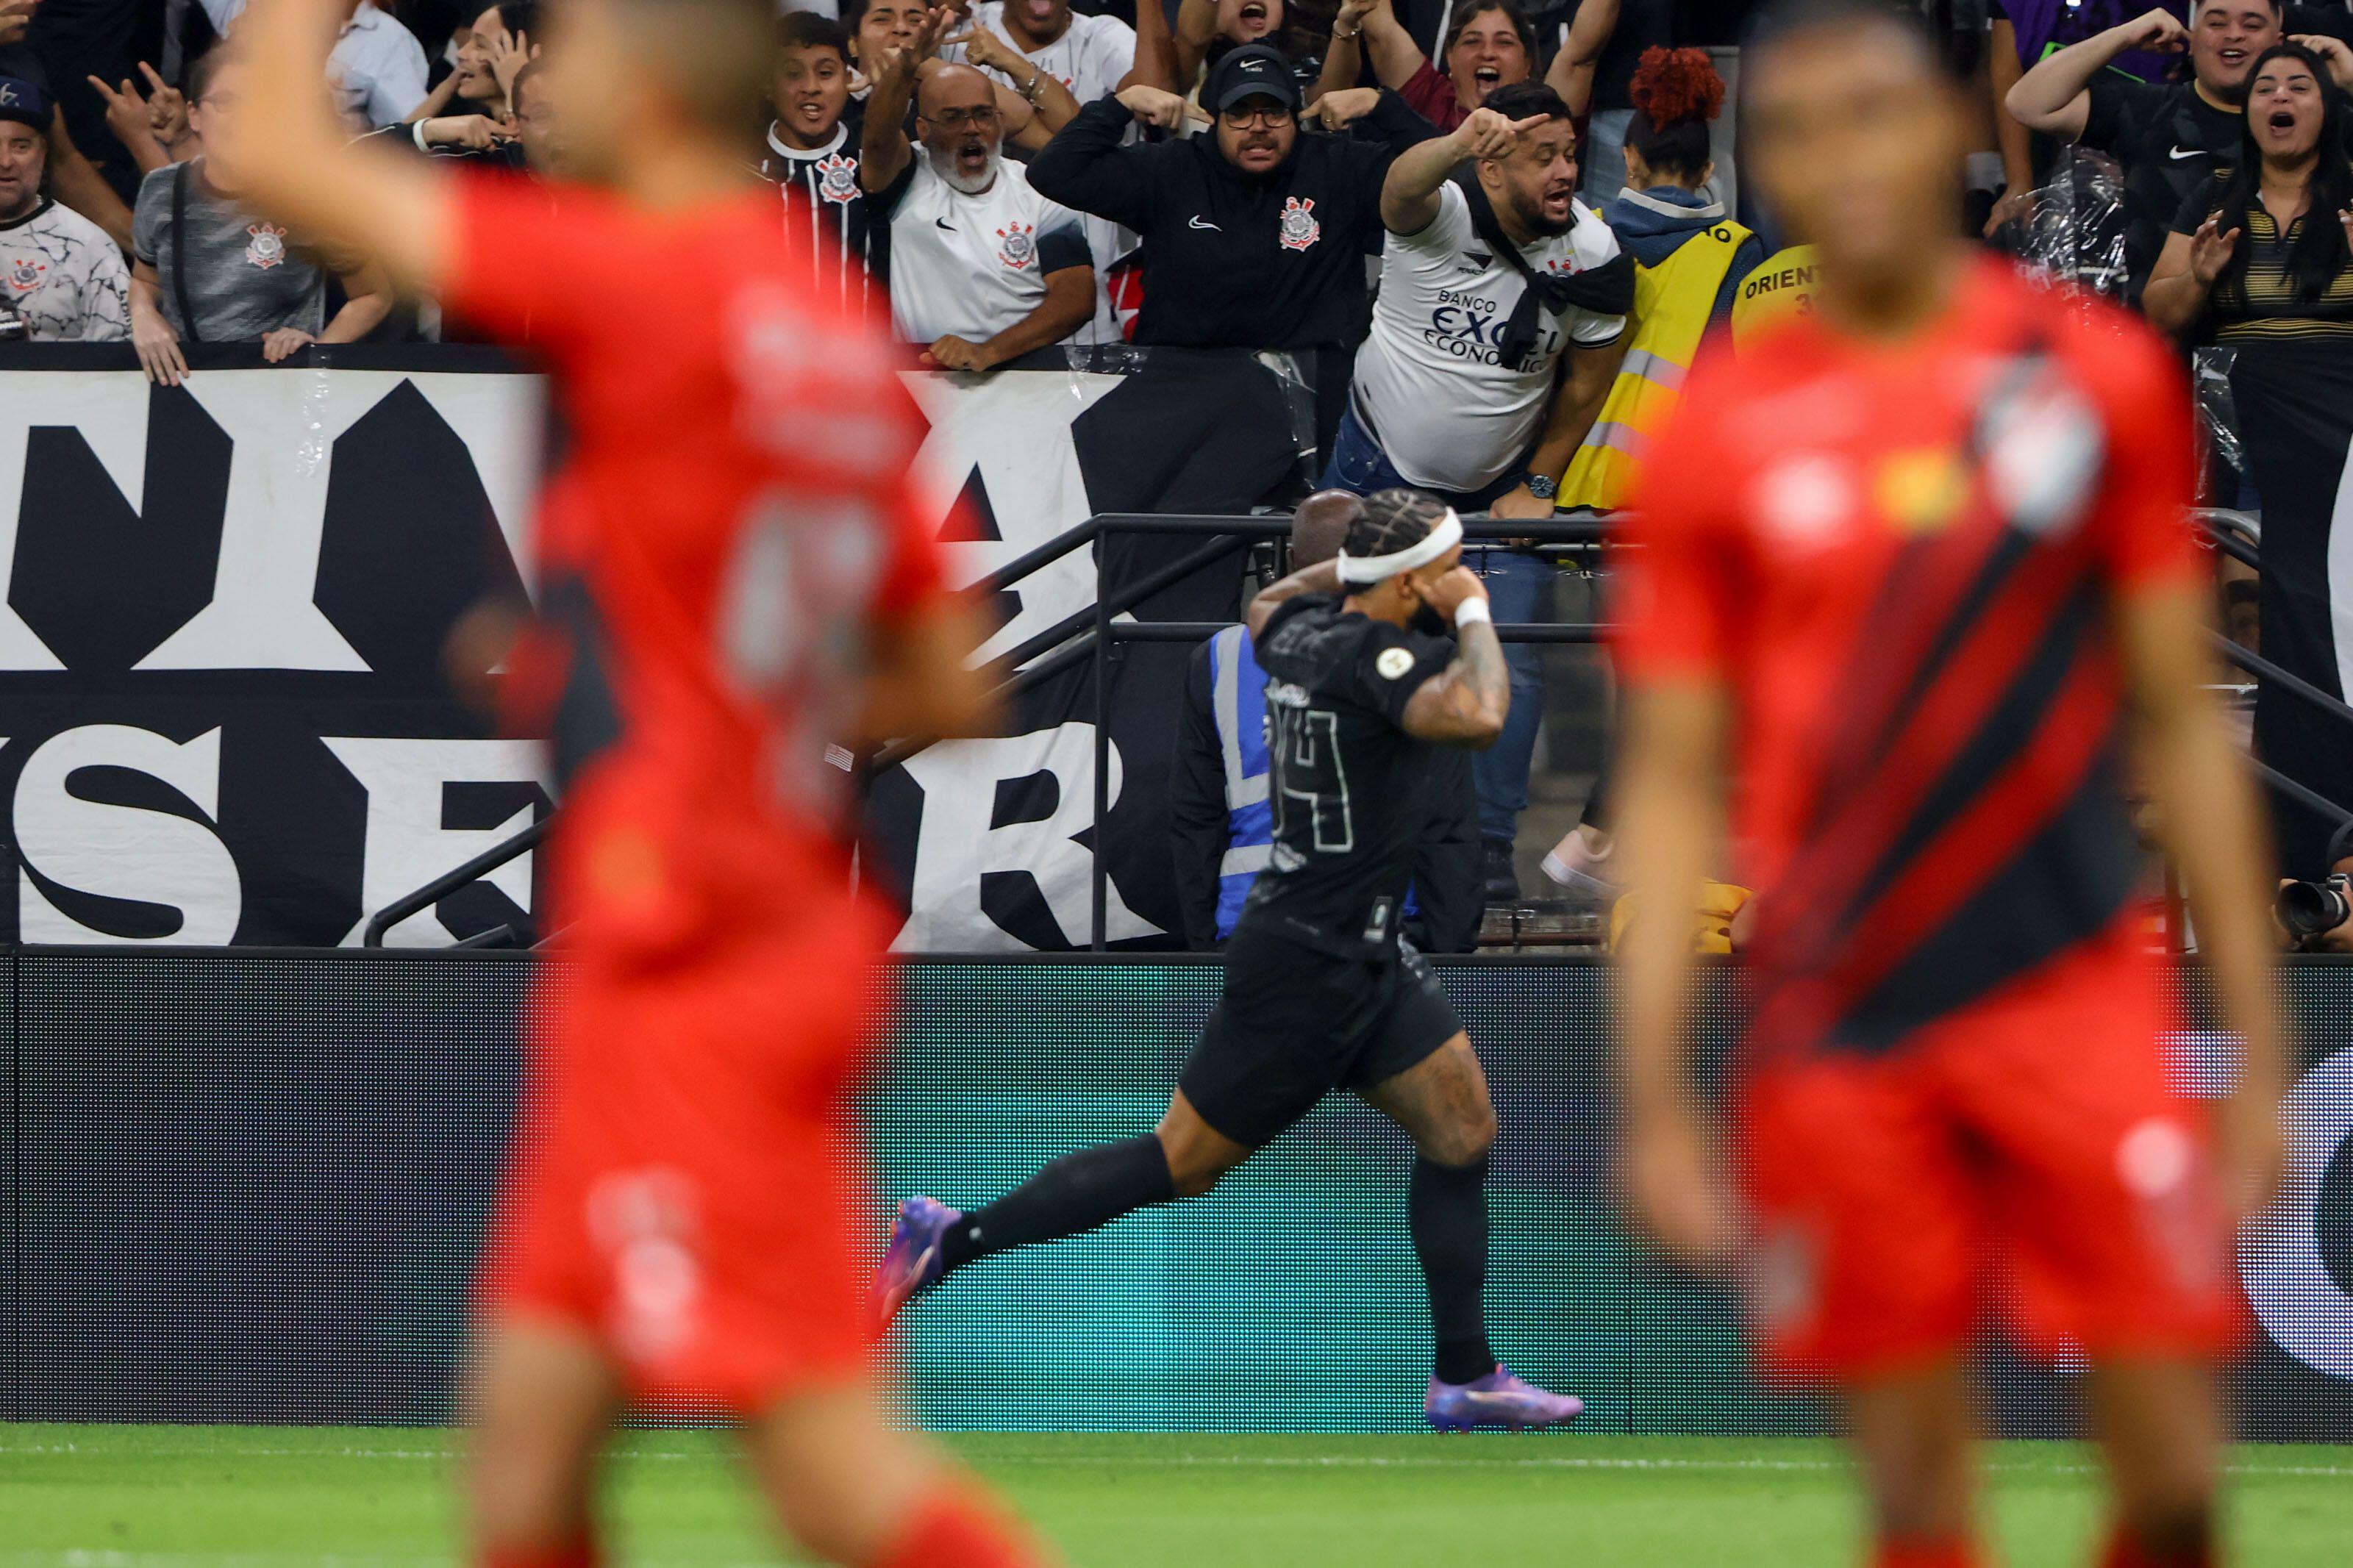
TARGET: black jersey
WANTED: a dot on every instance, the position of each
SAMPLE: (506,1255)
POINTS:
(1350,788)
(826,209)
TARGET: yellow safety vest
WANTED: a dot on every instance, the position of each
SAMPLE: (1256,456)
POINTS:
(1672,302)
(1781,287)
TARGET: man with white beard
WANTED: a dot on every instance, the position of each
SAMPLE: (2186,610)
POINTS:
(983,269)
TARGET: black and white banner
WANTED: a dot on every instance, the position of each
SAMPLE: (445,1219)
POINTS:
(223,717)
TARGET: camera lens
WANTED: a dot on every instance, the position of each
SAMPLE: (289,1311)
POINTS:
(2308,909)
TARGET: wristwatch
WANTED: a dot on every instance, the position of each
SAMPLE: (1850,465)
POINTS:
(1544,487)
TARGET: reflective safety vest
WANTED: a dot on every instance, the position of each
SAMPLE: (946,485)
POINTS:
(1237,706)
(1781,287)
(1672,302)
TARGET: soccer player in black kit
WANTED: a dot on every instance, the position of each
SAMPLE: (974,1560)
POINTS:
(1321,991)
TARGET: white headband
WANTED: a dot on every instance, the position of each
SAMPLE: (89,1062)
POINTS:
(1435,544)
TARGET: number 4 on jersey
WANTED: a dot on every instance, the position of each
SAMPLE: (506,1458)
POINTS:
(1304,747)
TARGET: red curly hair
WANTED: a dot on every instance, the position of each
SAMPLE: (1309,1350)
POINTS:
(1676,93)
(1672,86)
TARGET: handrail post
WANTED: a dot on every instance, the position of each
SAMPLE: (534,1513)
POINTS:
(1098,921)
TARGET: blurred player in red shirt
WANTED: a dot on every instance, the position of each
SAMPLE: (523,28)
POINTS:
(1914,570)
(737,577)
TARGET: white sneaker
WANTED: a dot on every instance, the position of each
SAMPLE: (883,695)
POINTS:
(1577,865)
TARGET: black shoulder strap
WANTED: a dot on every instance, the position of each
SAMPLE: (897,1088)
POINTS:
(1489,231)
(188,332)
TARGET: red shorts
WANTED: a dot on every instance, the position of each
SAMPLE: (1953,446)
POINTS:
(2028,1152)
(684,1188)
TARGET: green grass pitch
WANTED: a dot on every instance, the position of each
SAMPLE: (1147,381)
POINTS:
(189,1496)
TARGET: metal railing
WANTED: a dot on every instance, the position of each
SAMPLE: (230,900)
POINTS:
(2236,534)
(1089,634)
(1229,532)
(1094,634)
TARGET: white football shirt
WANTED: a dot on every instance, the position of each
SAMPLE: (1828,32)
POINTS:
(971,264)
(1429,380)
(1090,59)
(64,277)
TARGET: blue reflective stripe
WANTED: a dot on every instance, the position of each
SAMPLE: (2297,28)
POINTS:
(1237,688)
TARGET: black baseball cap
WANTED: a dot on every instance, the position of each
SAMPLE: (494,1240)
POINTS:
(1254,71)
(21,99)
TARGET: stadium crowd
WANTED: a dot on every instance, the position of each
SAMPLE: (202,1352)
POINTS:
(1494,236)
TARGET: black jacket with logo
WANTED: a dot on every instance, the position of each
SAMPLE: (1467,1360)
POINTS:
(1232,260)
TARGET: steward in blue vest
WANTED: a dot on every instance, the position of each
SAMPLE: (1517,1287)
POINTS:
(1223,828)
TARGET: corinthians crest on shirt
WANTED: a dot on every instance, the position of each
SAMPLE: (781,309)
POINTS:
(836,178)
(1298,228)
(1016,244)
(24,274)
(267,247)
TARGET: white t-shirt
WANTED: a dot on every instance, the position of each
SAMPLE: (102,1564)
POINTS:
(64,277)
(971,264)
(1090,59)
(1429,380)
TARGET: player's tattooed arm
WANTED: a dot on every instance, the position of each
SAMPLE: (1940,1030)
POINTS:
(1324,577)
(1465,703)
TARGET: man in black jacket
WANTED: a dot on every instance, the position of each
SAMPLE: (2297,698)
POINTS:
(1254,235)
(1223,829)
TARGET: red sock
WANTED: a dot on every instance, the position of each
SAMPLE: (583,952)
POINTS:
(577,1552)
(2194,1549)
(1920,1553)
(957,1531)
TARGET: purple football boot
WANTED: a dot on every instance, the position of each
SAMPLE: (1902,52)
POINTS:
(1498,1401)
(911,1264)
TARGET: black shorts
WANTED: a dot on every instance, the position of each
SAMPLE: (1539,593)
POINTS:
(1294,1023)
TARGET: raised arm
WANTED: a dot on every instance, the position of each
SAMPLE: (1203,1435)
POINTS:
(883,151)
(1155,53)
(79,186)
(1324,577)
(1344,55)
(1409,195)
(2017,144)
(1395,55)
(1465,703)
(2056,97)
(1036,105)
(1088,167)
(1571,71)
(1196,28)
(300,168)
(2186,269)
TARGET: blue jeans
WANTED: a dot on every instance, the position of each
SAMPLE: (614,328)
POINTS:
(1519,589)
(1359,467)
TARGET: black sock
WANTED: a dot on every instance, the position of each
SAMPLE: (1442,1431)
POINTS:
(1074,1195)
(1447,1207)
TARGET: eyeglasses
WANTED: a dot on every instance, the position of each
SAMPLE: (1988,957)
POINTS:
(1244,119)
(957,119)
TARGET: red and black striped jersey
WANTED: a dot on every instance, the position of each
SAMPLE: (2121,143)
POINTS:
(1900,558)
